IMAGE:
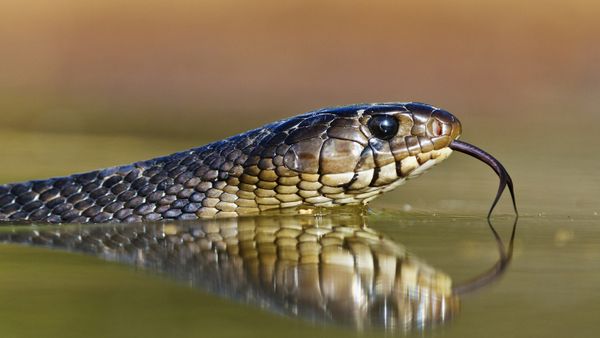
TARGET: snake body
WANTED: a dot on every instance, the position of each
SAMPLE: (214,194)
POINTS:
(334,156)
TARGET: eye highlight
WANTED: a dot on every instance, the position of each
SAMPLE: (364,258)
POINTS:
(383,127)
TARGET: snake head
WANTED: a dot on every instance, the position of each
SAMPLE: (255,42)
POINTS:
(351,154)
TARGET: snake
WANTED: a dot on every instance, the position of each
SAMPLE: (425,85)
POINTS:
(329,157)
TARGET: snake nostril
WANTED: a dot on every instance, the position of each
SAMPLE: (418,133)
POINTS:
(436,128)
(443,116)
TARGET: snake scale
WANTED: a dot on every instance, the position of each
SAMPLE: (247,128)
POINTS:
(334,156)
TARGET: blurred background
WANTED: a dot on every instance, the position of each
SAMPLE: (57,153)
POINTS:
(144,78)
(86,84)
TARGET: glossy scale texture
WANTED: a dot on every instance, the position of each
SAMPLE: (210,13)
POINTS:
(323,158)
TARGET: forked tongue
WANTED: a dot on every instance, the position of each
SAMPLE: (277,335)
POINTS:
(488,159)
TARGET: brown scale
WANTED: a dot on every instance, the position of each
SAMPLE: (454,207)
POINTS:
(325,158)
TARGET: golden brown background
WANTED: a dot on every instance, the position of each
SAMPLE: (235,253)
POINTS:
(175,66)
(88,84)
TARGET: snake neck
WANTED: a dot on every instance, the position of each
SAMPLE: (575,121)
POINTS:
(200,182)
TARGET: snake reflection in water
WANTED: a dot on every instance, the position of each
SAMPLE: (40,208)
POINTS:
(331,269)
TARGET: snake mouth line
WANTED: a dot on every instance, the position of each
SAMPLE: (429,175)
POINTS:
(488,159)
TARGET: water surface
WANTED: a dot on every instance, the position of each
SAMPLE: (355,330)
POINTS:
(550,289)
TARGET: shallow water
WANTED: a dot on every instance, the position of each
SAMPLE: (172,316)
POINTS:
(550,289)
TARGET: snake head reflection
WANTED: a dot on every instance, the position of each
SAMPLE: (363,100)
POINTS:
(350,155)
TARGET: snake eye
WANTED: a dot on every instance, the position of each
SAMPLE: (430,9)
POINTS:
(383,126)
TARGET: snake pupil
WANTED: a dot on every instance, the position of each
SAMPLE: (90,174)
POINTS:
(383,126)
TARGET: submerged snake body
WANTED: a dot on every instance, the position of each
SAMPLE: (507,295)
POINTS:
(335,156)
